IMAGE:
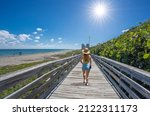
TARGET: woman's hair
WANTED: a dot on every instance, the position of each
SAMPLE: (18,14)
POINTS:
(86,58)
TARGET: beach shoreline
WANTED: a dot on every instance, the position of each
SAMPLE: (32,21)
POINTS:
(21,59)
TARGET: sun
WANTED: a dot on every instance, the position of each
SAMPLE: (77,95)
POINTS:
(100,11)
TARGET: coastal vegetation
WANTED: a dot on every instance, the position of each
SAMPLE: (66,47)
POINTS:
(26,81)
(16,87)
(132,47)
(12,68)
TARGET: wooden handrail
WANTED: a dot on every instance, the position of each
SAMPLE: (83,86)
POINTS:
(129,81)
(48,75)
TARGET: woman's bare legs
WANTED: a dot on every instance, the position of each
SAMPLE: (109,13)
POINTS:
(84,76)
(87,76)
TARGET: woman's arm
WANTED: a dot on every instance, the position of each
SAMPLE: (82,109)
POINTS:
(90,61)
(81,60)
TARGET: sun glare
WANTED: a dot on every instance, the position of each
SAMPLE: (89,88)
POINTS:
(99,11)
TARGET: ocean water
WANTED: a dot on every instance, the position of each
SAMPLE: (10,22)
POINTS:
(14,52)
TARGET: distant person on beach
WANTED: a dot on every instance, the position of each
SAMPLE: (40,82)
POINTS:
(86,64)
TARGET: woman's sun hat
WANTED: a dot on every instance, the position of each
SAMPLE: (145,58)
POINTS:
(85,51)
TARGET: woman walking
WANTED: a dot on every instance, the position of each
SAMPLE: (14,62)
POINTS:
(86,64)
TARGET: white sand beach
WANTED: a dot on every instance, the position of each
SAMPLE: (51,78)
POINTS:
(15,60)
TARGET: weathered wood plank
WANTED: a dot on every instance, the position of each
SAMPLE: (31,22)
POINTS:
(73,88)
(135,83)
(47,81)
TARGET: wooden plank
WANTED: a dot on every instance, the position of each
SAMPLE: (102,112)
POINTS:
(48,77)
(73,87)
(132,83)
(138,74)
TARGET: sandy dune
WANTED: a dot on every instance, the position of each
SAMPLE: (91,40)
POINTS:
(15,60)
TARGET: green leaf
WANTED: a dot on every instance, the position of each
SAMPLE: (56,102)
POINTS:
(146,56)
(130,47)
(148,43)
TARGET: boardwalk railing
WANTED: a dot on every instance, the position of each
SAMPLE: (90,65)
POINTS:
(45,78)
(129,82)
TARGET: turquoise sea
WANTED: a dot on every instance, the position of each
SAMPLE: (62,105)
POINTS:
(14,52)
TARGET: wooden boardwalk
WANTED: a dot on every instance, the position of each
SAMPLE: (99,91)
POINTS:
(74,88)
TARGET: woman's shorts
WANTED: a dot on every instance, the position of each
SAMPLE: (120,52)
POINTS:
(86,67)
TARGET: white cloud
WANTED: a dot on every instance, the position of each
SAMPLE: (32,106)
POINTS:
(35,33)
(59,38)
(52,40)
(36,41)
(13,43)
(125,30)
(6,35)
(39,29)
(23,37)
(59,42)
(2,41)
(37,37)
(8,40)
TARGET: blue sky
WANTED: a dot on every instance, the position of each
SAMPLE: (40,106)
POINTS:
(65,24)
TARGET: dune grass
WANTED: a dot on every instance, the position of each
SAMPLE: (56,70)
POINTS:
(12,68)
(16,87)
